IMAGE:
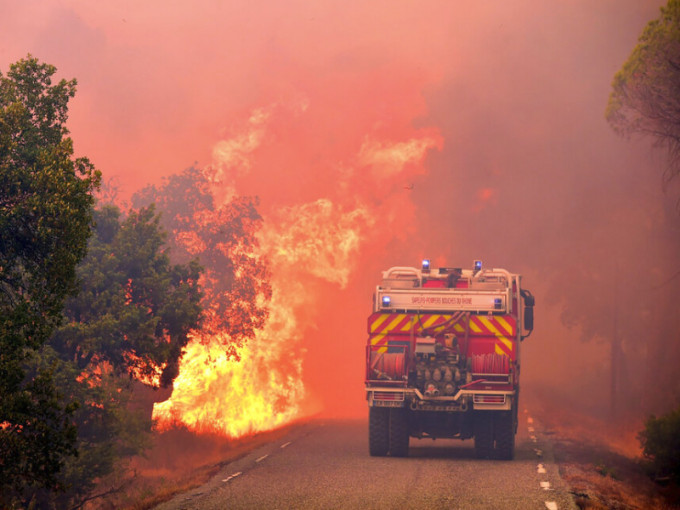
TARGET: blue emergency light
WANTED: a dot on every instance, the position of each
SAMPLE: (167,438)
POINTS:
(426,265)
(478,265)
(386,301)
(498,303)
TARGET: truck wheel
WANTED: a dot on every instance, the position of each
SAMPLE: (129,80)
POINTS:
(399,432)
(483,427)
(378,431)
(504,431)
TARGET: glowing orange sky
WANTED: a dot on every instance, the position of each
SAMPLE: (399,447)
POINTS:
(511,94)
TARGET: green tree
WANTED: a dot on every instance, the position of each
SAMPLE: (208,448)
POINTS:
(109,429)
(134,310)
(127,325)
(645,95)
(46,200)
(660,442)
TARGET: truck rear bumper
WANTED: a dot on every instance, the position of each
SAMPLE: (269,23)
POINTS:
(479,399)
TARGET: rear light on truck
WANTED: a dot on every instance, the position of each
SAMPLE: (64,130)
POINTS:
(388,395)
(490,399)
(387,398)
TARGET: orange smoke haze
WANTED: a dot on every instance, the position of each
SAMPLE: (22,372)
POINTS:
(374,134)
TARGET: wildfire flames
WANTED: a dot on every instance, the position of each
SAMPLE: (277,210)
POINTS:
(262,387)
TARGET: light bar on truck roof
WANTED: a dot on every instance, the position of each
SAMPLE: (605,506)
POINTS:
(426,265)
(386,301)
(478,265)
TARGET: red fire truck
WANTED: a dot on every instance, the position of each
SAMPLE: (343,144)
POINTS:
(443,357)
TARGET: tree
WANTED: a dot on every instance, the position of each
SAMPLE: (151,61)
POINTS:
(134,310)
(46,200)
(645,95)
(127,325)
(224,239)
(660,442)
(108,428)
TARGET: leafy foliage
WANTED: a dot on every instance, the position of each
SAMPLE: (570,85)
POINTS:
(224,239)
(45,203)
(46,199)
(645,95)
(127,325)
(645,99)
(660,442)
(38,440)
(108,429)
(134,310)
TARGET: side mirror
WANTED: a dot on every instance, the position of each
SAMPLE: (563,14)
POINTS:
(529,303)
(529,318)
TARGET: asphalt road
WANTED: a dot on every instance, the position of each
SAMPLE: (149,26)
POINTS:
(325,465)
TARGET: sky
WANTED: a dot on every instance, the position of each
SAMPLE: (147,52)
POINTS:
(378,133)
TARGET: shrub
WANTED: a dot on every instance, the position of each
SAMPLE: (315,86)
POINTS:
(660,442)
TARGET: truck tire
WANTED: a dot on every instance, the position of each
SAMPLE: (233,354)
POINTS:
(399,432)
(483,427)
(378,431)
(504,432)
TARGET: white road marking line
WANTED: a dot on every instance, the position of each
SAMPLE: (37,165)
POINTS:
(533,439)
(231,477)
(531,429)
(551,505)
(286,444)
(540,469)
(545,486)
(530,420)
(261,458)
(538,452)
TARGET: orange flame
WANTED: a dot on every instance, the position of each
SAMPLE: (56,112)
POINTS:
(215,394)
(263,388)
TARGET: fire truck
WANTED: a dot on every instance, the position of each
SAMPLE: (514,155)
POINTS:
(443,357)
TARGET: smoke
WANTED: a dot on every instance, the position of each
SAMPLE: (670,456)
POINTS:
(379,133)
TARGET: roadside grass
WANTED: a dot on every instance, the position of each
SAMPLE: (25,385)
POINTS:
(601,461)
(600,478)
(179,461)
